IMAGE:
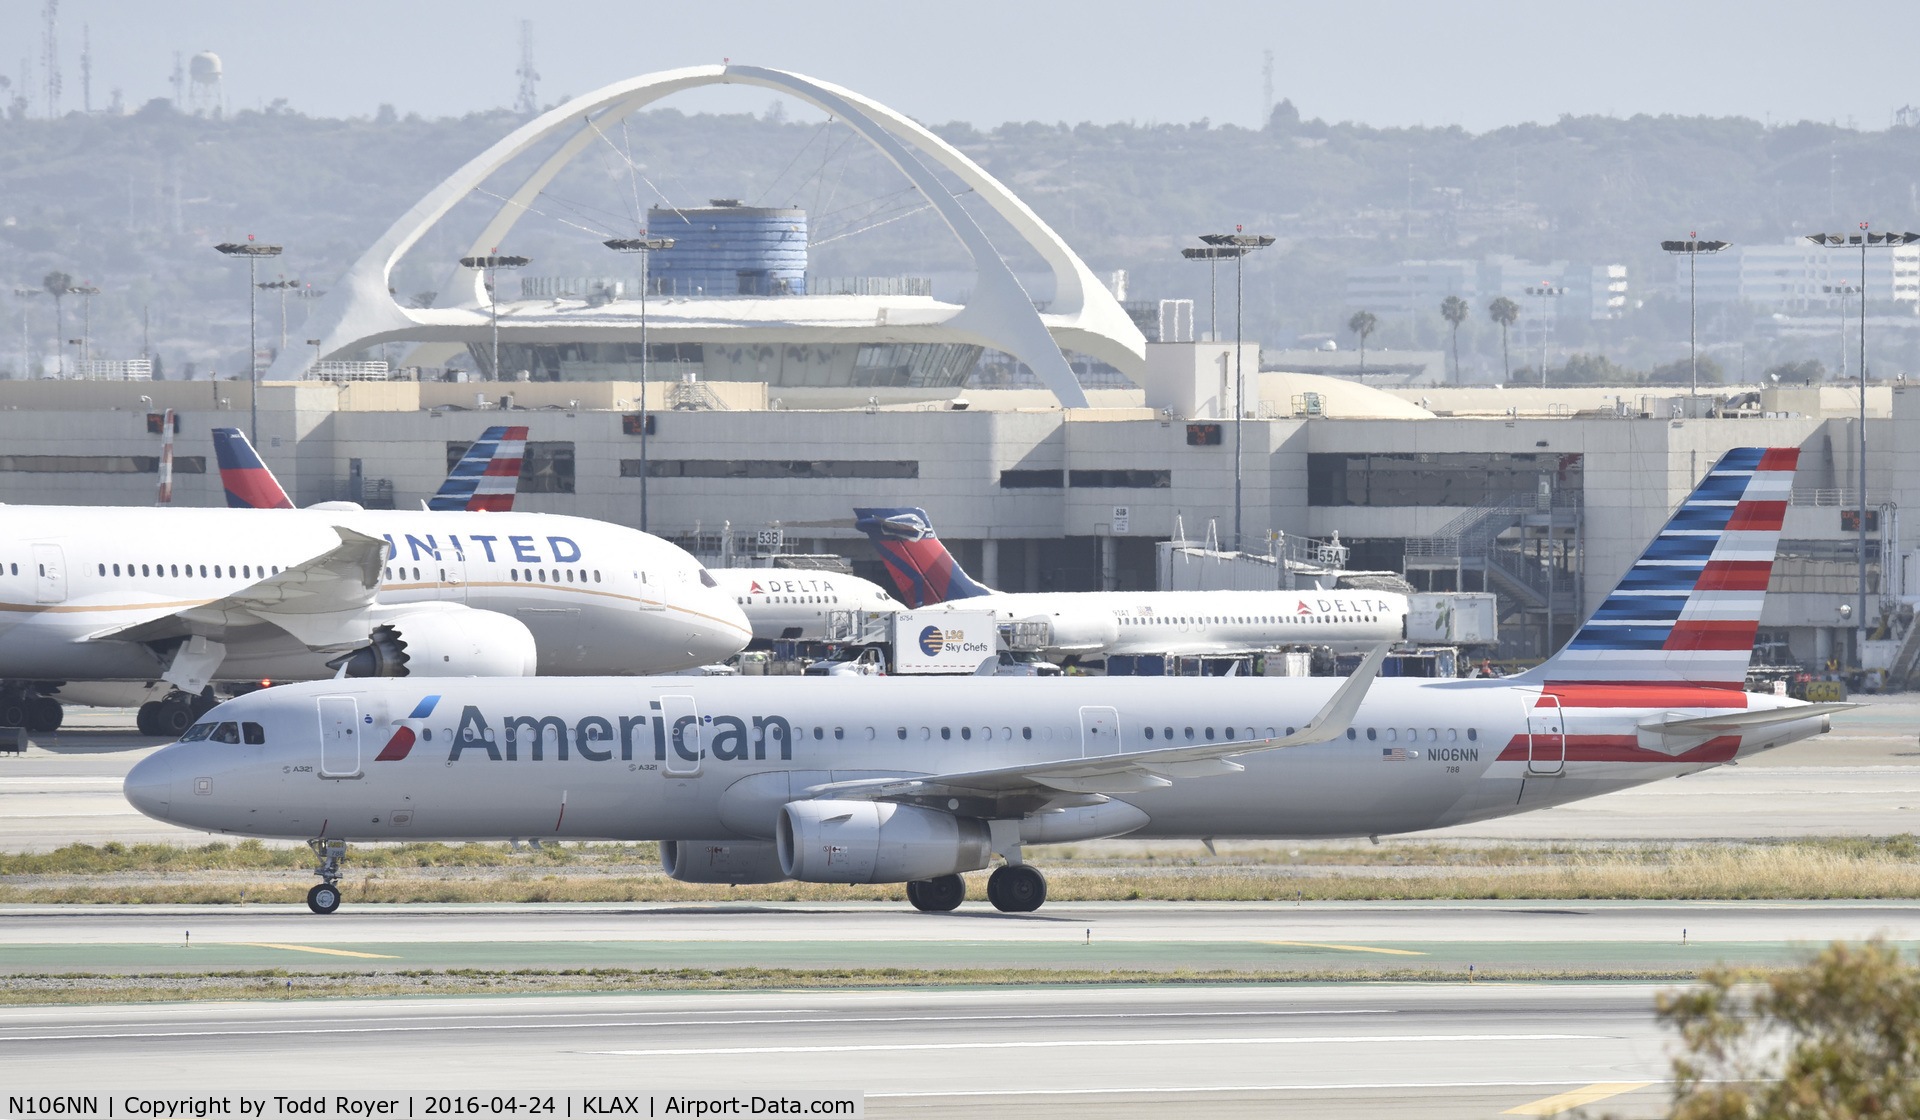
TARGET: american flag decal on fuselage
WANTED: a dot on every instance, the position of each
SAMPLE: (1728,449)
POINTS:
(488,475)
(1689,608)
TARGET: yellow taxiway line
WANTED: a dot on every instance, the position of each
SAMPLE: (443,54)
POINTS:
(1561,1102)
(315,949)
(1348,948)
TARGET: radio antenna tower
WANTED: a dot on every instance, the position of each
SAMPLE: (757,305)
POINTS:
(86,67)
(529,101)
(52,16)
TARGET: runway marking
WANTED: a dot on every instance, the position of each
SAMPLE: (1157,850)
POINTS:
(315,949)
(1561,1102)
(1370,1039)
(253,1028)
(1348,948)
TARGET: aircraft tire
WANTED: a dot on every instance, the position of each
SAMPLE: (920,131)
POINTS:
(44,714)
(937,896)
(1017,890)
(148,719)
(13,713)
(324,898)
(173,718)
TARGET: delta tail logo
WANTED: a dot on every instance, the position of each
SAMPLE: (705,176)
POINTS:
(403,737)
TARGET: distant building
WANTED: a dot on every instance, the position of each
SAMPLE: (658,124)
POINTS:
(1597,291)
(1797,275)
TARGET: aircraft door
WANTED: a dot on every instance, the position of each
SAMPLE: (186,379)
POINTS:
(339,737)
(648,595)
(1099,732)
(686,743)
(451,573)
(50,579)
(1546,737)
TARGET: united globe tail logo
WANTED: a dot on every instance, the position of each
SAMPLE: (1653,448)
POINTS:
(933,641)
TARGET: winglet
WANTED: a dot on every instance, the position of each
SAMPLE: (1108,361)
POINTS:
(1333,719)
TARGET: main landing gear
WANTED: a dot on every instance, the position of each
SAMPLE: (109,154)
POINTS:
(1016,889)
(325,898)
(174,714)
(934,896)
(35,713)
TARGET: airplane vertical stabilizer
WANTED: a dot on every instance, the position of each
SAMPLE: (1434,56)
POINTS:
(1689,609)
(248,482)
(488,476)
(922,568)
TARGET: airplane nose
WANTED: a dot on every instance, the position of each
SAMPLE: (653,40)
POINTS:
(149,785)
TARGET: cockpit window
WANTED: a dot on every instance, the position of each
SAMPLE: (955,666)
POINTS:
(256,735)
(226,733)
(198,732)
(706,580)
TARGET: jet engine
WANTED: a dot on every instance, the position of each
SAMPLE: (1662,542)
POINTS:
(444,640)
(875,842)
(721,861)
(1082,631)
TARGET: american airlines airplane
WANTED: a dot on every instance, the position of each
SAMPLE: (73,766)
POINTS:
(916,781)
(790,604)
(193,596)
(1099,623)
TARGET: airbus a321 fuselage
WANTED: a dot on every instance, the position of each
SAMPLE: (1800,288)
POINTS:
(917,781)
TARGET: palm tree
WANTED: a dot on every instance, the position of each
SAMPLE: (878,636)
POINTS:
(1454,310)
(1504,312)
(1362,324)
(58,284)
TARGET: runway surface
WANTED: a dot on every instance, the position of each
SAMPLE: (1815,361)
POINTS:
(1437,1051)
(1491,936)
(1860,780)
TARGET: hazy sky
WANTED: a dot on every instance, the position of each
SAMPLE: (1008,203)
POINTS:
(1480,65)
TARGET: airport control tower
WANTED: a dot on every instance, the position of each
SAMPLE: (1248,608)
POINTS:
(727,249)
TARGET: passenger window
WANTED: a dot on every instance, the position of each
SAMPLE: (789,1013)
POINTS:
(203,571)
(246,571)
(143,569)
(1392,735)
(839,733)
(197,732)
(513,574)
(926,734)
(1351,734)
(1209,734)
(1270,734)
(1229,734)
(946,732)
(256,735)
(103,569)
(1026,732)
(1413,734)
(176,570)
(569,575)
(819,733)
(1453,734)
(1371,734)
(1433,735)
(986,733)
(902,732)
(116,569)
(965,733)
(1189,734)
(426,734)
(596,575)
(1473,735)
(1169,733)
(226,733)
(1149,732)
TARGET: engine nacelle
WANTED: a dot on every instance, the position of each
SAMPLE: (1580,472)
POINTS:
(875,842)
(721,861)
(444,640)
(1082,631)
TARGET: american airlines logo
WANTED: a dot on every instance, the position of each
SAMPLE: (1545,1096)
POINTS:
(690,738)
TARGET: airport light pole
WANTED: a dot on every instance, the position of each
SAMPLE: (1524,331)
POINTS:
(1865,239)
(1241,243)
(253,251)
(281,285)
(1691,249)
(645,246)
(1213,255)
(26,343)
(1546,292)
(490,264)
(86,292)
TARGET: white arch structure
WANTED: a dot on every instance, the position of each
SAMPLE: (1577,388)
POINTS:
(360,310)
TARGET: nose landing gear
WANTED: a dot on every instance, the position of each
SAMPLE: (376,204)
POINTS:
(325,898)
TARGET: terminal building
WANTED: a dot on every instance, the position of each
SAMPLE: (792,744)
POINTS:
(780,401)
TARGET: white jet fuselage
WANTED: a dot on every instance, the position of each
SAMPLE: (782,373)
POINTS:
(1195,622)
(792,604)
(598,598)
(717,758)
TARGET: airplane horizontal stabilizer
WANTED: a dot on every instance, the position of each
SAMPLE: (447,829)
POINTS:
(1130,772)
(1733,723)
(321,602)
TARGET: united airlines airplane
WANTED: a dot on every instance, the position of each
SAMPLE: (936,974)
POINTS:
(195,596)
(1099,623)
(916,781)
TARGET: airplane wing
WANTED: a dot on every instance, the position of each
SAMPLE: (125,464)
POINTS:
(321,602)
(1018,789)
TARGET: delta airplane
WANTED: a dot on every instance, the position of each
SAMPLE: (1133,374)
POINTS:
(193,596)
(1099,623)
(760,779)
(791,604)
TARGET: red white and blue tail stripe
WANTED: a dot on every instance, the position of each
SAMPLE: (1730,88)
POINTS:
(488,475)
(248,482)
(1689,608)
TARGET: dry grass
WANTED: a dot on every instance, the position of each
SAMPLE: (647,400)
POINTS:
(1864,868)
(278,984)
